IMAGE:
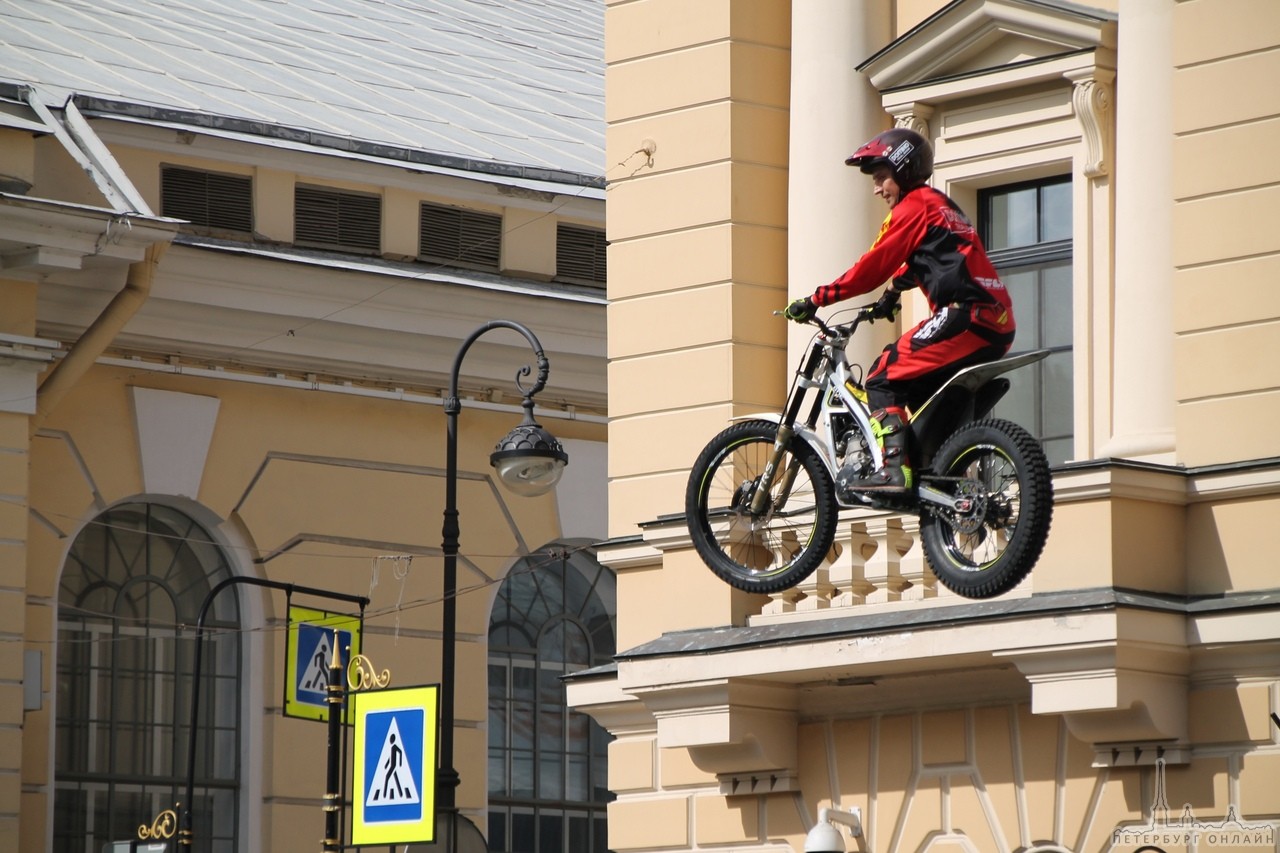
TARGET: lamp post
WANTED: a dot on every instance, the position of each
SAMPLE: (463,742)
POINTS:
(529,461)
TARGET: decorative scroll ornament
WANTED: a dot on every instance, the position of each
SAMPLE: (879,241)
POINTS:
(915,118)
(164,826)
(1091,102)
(361,675)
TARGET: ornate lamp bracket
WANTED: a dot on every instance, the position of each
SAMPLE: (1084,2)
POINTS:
(362,675)
(164,826)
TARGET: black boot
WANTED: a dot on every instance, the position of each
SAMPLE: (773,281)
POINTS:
(895,476)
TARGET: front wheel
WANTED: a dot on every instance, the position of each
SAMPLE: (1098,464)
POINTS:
(1000,477)
(787,538)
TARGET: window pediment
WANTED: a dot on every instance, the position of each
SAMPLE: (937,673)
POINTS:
(972,37)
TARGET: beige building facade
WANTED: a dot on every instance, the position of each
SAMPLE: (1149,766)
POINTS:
(1117,158)
(226,345)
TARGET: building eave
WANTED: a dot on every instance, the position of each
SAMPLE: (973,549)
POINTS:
(41,236)
(302,139)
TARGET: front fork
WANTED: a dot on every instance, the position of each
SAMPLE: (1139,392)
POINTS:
(786,433)
(763,487)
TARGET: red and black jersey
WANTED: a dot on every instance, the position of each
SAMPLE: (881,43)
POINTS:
(926,241)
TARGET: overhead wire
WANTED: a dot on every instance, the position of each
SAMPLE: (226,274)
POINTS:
(292,331)
(530,563)
(401,606)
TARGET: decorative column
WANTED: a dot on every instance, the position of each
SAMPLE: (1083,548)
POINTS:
(913,566)
(853,585)
(1142,389)
(884,569)
(833,217)
(29,668)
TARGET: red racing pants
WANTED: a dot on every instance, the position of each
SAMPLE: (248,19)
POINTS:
(908,371)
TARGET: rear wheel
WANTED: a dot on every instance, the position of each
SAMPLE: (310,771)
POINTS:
(788,538)
(1000,477)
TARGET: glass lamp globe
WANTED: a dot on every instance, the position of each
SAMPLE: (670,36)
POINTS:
(824,838)
(529,460)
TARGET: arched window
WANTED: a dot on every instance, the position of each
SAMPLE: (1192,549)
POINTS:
(555,614)
(135,578)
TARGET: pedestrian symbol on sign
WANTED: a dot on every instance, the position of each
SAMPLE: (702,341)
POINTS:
(309,650)
(315,654)
(393,773)
(315,678)
(392,782)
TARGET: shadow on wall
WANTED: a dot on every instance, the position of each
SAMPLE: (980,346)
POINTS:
(1229,546)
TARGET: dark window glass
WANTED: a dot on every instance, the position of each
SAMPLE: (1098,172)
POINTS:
(455,235)
(1027,231)
(210,200)
(331,219)
(132,579)
(581,254)
(555,615)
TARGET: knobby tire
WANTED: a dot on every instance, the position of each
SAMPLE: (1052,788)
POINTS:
(783,544)
(1018,508)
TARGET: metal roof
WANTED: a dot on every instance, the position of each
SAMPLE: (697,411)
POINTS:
(482,84)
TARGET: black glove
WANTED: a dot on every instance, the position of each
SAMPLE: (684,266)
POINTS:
(801,311)
(888,306)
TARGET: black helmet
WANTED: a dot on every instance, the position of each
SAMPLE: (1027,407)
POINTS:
(907,154)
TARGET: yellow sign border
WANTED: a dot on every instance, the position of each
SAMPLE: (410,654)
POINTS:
(293,707)
(426,698)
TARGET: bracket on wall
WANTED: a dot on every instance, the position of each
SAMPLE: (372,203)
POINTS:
(1143,754)
(741,785)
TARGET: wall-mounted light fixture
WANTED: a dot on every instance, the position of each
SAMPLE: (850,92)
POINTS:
(826,838)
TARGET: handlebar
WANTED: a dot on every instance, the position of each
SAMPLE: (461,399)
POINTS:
(864,313)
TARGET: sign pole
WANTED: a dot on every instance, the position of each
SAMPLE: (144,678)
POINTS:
(186,831)
(333,794)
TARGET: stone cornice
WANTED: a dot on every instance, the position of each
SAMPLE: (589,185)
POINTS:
(1115,664)
(963,33)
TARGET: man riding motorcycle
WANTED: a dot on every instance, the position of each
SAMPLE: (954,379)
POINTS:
(926,241)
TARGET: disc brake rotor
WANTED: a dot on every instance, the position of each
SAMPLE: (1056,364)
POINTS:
(971,508)
(743,495)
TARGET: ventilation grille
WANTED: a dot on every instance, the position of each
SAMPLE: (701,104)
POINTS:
(329,219)
(580,254)
(207,199)
(453,235)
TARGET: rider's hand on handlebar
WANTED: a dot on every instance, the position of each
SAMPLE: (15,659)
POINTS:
(801,311)
(888,306)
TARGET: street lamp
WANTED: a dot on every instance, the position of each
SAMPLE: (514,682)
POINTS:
(529,461)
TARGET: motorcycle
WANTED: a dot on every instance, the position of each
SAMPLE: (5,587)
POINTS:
(761,505)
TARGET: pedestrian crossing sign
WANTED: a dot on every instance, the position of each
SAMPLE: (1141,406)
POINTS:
(308,656)
(394,771)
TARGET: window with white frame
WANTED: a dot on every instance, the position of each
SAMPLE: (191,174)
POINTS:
(1026,228)
(1020,109)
